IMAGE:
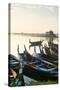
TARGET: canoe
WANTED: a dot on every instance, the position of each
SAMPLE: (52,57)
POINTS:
(40,72)
(39,57)
(40,69)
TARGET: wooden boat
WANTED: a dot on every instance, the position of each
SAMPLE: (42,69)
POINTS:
(38,68)
(40,57)
(15,78)
(27,57)
(40,71)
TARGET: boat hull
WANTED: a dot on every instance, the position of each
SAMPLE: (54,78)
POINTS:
(38,74)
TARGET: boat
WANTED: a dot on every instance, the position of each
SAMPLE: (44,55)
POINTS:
(50,54)
(36,43)
(13,61)
(40,71)
(52,51)
(15,78)
(38,68)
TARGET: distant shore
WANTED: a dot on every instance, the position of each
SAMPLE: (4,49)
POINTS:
(34,34)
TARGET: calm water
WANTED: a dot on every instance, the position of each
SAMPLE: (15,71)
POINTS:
(22,40)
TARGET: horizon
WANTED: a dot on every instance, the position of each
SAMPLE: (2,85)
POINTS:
(29,33)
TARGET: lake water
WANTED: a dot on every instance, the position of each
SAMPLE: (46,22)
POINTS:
(22,40)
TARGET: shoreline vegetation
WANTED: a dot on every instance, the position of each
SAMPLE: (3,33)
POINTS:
(36,34)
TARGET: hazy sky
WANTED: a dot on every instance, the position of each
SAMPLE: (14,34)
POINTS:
(33,18)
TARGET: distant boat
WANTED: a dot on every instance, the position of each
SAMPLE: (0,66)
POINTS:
(36,43)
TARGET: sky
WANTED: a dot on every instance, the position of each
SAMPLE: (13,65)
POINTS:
(29,18)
